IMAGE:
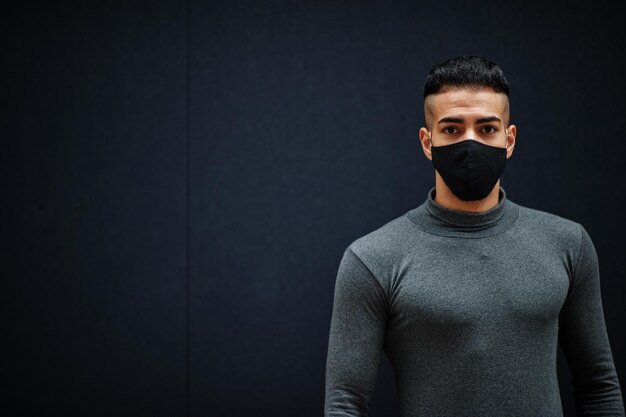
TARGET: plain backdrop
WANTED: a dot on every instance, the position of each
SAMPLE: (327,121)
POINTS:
(182,177)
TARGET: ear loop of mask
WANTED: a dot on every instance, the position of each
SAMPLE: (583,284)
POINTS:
(506,143)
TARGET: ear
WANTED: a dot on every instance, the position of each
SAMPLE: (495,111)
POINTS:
(510,140)
(426,142)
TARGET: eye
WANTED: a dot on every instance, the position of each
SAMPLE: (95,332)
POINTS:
(493,129)
(446,130)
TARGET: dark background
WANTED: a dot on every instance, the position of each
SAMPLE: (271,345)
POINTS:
(181,179)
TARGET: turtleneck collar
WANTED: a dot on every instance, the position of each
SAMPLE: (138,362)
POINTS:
(436,219)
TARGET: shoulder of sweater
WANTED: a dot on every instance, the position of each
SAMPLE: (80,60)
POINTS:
(540,223)
(384,240)
(383,249)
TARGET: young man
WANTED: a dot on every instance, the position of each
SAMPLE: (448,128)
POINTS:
(469,293)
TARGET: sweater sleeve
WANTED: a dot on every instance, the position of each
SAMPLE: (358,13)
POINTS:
(356,339)
(584,340)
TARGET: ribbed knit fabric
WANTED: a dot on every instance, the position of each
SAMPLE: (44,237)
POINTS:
(469,307)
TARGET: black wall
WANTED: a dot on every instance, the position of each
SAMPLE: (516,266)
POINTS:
(181,179)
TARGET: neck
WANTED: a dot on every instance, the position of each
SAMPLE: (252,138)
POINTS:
(446,198)
(437,219)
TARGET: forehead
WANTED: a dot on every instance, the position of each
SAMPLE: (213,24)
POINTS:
(464,102)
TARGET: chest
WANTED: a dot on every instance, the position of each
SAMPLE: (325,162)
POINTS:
(483,284)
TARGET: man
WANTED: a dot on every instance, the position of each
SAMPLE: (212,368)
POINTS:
(469,293)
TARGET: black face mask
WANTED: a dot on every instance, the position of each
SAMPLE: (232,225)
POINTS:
(469,168)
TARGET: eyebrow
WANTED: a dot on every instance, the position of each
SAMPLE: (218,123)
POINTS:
(478,121)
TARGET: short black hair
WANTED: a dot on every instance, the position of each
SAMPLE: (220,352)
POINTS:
(473,71)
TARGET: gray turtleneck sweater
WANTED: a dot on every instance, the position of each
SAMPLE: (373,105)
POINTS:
(469,307)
